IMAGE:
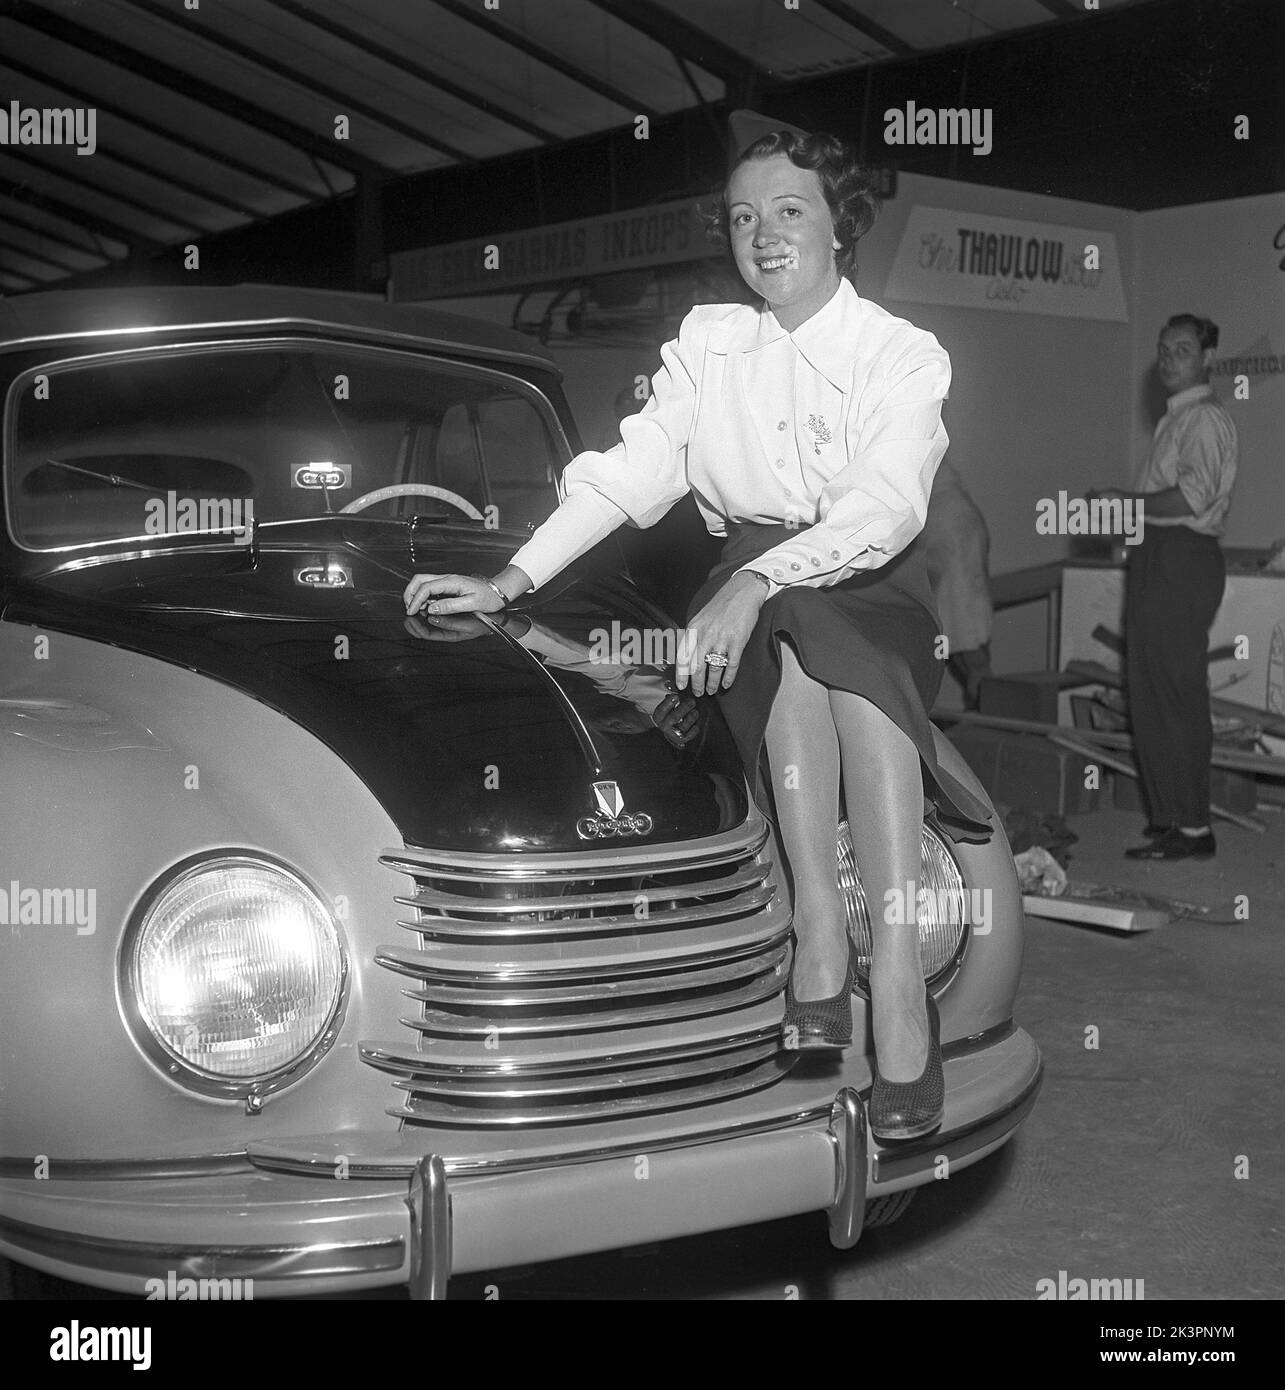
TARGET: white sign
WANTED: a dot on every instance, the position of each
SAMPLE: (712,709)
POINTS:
(980,262)
(661,234)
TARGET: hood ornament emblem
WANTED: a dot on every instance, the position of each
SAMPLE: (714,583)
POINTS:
(612,819)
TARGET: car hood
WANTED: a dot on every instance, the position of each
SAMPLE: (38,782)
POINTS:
(489,744)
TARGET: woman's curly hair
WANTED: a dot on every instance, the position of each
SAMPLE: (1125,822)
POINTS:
(849,187)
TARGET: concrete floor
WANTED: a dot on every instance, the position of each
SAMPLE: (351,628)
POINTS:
(1125,1169)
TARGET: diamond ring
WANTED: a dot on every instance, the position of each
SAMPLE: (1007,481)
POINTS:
(715,658)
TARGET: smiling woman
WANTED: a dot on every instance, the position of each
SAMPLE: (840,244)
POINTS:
(809,430)
(847,189)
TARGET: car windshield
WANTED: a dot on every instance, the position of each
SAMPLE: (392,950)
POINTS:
(211,440)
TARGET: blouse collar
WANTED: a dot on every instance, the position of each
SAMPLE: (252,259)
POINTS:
(825,341)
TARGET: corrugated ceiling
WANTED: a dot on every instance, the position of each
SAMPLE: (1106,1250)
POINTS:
(217,116)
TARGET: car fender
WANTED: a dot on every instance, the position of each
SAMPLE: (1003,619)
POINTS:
(201,767)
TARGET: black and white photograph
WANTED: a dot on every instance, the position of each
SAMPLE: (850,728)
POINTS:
(642,658)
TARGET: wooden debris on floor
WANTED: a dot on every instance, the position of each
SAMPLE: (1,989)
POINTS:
(1116,909)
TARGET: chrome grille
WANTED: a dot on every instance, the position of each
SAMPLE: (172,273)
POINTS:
(561,989)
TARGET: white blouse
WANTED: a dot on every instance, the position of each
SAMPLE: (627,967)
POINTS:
(834,429)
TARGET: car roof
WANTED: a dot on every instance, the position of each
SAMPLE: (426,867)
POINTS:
(30,319)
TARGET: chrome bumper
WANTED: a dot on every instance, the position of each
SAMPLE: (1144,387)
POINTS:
(327,1237)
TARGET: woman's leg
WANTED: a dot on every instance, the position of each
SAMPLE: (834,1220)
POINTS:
(803,755)
(885,801)
(811,731)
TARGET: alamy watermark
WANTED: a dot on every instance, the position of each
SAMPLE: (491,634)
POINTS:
(641,646)
(49,907)
(1065,515)
(958,906)
(171,515)
(951,125)
(183,1290)
(1065,1287)
(72,1342)
(50,125)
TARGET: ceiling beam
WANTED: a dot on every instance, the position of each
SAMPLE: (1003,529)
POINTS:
(667,28)
(41,256)
(150,171)
(496,30)
(259,119)
(24,154)
(421,74)
(79,217)
(185,142)
(17,275)
(10,214)
(884,37)
(344,101)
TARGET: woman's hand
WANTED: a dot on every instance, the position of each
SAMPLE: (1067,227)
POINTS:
(465,593)
(723,625)
(451,593)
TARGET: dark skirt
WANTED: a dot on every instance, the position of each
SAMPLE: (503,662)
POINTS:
(875,634)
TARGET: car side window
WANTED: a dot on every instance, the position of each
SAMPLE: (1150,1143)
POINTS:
(456,465)
(518,455)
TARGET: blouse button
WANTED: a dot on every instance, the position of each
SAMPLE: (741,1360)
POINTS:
(780,424)
(834,554)
(815,561)
(777,573)
(780,463)
(794,565)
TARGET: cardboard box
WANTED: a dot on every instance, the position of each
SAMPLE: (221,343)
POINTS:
(1026,770)
(1026,694)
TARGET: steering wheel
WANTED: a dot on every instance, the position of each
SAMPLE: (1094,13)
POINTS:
(382,494)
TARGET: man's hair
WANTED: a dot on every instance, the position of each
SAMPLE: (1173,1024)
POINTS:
(1206,330)
(848,185)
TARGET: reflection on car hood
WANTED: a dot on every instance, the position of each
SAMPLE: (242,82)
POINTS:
(489,744)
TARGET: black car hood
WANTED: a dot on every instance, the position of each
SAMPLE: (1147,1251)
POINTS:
(478,745)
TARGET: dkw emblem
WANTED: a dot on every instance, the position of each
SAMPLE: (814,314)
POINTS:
(612,819)
(331,575)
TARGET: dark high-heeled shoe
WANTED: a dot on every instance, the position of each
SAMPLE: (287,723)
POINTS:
(912,1109)
(812,1025)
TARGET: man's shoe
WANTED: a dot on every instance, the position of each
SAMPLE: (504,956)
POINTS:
(1173,844)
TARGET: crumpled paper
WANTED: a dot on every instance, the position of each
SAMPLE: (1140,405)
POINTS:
(1038,872)
(1026,826)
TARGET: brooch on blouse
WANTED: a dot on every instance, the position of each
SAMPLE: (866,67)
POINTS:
(819,428)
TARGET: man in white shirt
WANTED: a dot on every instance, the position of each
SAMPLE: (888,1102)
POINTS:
(1175,584)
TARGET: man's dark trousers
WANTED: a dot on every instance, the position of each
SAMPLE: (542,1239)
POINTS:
(1175,584)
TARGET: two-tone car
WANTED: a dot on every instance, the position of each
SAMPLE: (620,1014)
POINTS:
(337,951)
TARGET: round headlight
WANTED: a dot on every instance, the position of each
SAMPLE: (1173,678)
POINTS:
(941,908)
(234,976)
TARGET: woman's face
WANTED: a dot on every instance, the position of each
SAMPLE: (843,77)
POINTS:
(782,236)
